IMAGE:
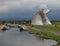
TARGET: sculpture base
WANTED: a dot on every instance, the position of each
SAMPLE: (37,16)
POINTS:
(38,20)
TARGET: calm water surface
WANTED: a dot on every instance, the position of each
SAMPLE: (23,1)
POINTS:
(13,37)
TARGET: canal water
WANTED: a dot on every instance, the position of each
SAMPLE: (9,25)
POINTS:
(14,37)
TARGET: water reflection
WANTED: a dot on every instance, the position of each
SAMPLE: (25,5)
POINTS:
(13,37)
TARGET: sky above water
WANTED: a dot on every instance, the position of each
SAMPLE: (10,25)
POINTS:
(27,8)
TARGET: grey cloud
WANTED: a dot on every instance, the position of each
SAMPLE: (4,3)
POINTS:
(21,6)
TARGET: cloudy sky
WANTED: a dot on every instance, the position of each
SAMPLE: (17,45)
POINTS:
(27,8)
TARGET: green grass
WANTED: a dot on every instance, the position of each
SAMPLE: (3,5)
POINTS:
(49,28)
(46,35)
(54,27)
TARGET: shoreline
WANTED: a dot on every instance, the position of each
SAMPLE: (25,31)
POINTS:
(45,35)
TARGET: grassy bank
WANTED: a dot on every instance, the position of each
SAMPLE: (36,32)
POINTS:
(46,34)
(48,27)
